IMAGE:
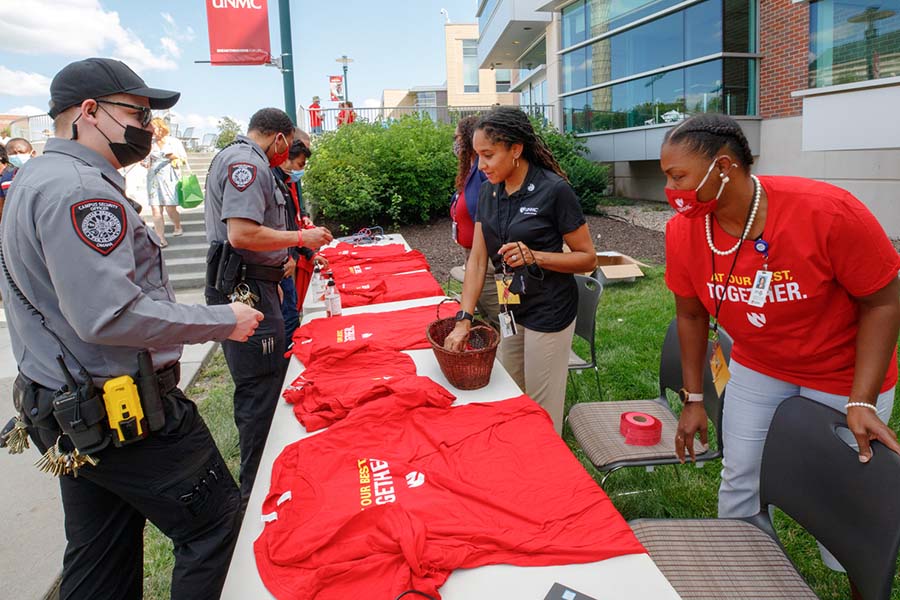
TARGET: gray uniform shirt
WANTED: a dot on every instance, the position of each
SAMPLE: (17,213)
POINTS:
(241,185)
(82,255)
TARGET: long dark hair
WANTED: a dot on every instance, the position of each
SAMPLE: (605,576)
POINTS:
(707,133)
(465,129)
(511,125)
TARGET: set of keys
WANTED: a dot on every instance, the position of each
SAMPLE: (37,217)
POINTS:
(57,463)
(15,437)
(243,295)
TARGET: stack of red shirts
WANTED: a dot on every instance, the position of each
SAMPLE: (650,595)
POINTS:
(398,329)
(379,268)
(390,288)
(342,377)
(405,490)
(349,253)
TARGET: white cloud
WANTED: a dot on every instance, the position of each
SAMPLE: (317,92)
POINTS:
(170,46)
(77,28)
(201,123)
(26,111)
(22,83)
(371,103)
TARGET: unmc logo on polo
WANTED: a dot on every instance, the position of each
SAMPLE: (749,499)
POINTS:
(236,4)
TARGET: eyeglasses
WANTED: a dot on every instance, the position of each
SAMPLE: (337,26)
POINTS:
(146,114)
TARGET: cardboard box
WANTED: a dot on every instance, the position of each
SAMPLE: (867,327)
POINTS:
(614,267)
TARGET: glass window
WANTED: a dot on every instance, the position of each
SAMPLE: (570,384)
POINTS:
(525,96)
(577,69)
(606,15)
(665,97)
(574,24)
(853,40)
(651,46)
(486,14)
(739,26)
(703,29)
(503,78)
(470,66)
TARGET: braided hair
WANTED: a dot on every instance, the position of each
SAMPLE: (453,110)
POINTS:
(510,125)
(708,133)
(465,128)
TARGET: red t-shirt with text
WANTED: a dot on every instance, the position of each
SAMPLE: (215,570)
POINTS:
(825,248)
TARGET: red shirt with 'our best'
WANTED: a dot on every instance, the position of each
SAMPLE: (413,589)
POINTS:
(825,249)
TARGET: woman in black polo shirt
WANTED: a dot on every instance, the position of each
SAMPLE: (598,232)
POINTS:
(526,210)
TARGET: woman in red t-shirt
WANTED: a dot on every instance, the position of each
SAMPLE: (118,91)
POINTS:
(803,278)
(464,207)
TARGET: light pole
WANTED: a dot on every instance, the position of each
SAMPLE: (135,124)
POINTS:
(345,61)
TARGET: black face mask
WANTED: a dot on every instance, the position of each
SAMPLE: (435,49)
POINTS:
(136,146)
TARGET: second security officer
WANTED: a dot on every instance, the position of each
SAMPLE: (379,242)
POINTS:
(97,336)
(245,226)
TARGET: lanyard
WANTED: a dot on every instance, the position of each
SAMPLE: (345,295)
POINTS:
(718,302)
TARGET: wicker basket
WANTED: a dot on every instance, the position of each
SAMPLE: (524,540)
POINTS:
(471,368)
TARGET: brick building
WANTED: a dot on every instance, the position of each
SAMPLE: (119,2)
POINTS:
(814,83)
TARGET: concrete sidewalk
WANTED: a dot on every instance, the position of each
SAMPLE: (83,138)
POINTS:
(33,537)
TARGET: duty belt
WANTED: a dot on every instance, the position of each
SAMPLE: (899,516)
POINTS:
(262,272)
(168,378)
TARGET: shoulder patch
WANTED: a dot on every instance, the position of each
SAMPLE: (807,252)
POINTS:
(100,224)
(241,175)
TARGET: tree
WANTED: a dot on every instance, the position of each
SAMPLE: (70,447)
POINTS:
(228,130)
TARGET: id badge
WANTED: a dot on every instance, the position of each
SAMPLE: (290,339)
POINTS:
(454,231)
(719,368)
(760,289)
(504,296)
(507,324)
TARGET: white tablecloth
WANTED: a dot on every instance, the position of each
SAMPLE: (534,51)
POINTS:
(632,577)
(311,304)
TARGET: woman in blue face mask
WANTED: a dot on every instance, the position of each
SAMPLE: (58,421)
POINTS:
(20,151)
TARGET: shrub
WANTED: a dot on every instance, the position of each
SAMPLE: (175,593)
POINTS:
(367,173)
(588,178)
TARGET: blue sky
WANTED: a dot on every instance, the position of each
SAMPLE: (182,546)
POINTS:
(394,44)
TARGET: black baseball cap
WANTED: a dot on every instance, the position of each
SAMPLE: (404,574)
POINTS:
(99,77)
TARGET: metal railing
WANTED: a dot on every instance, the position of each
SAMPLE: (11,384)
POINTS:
(332,118)
(36,128)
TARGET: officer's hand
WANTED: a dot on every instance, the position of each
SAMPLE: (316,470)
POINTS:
(247,321)
(289,267)
(316,237)
(320,261)
(307,223)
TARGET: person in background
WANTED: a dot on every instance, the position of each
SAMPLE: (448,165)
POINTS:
(525,213)
(803,278)
(7,172)
(347,115)
(315,117)
(20,151)
(293,286)
(167,157)
(464,208)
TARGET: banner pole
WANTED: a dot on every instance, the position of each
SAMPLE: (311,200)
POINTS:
(287,60)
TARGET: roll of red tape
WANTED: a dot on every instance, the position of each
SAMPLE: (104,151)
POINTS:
(640,429)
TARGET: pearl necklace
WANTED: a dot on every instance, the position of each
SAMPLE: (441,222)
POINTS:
(757,190)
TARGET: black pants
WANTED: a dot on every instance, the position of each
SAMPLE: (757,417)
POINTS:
(257,368)
(175,478)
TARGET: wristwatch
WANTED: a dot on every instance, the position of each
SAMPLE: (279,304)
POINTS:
(464,315)
(687,396)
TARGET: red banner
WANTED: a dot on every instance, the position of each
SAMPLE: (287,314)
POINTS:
(238,32)
(336,86)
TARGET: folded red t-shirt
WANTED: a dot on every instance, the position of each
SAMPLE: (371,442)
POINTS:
(349,253)
(390,288)
(397,495)
(398,329)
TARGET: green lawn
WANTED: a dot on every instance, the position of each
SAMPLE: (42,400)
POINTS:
(631,323)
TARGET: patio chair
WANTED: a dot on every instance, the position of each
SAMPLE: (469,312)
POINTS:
(188,139)
(815,477)
(595,425)
(589,292)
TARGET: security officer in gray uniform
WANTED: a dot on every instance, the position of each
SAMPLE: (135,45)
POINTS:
(245,209)
(77,252)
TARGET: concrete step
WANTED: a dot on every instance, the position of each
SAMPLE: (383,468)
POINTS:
(183,281)
(176,251)
(187,265)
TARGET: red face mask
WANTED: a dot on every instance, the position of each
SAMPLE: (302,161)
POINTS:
(279,157)
(687,203)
